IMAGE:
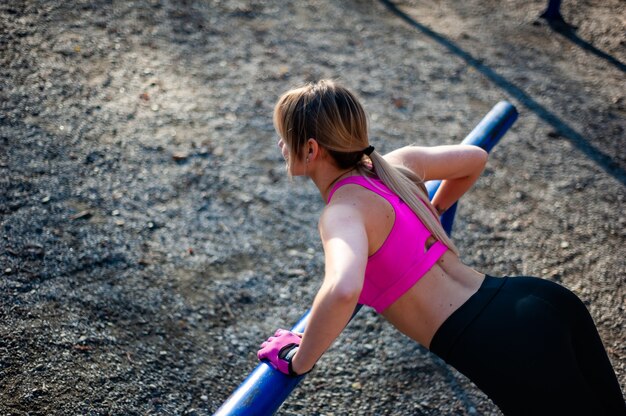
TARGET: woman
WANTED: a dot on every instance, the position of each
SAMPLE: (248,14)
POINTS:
(528,343)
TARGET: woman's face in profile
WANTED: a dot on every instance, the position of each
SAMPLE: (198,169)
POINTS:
(283,149)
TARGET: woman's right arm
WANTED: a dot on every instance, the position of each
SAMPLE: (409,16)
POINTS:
(345,247)
(458,166)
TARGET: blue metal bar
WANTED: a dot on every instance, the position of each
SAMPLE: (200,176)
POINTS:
(265,389)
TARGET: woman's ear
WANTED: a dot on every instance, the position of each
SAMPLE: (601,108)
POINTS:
(312,149)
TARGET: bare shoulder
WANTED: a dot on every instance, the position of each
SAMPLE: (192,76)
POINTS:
(355,206)
(347,207)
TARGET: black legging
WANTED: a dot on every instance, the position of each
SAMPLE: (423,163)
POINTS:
(532,347)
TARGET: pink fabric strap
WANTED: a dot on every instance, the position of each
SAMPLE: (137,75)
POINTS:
(368,183)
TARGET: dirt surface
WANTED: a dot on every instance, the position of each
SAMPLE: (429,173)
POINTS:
(150,239)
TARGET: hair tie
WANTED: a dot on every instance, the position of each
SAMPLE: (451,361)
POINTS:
(368,150)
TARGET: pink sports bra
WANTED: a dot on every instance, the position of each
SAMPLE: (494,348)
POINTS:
(402,259)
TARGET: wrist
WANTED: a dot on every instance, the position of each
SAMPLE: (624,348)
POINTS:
(296,367)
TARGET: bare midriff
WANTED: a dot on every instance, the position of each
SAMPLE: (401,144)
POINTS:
(420,311)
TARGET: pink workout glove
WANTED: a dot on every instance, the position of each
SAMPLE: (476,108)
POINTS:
(279,350)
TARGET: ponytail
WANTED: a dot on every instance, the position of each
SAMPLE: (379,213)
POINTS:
(411,189)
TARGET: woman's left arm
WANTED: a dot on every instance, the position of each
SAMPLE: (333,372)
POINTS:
(458,166)
(345,248)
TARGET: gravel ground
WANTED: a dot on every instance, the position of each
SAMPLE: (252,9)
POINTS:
(150,239)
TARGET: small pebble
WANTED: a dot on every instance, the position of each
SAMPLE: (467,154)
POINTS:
(180,156)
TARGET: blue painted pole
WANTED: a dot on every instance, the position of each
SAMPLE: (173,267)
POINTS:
(265,389)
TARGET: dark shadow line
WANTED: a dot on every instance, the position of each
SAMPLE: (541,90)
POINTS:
(603,160)
(569,33)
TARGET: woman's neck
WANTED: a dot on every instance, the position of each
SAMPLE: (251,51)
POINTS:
(329,177)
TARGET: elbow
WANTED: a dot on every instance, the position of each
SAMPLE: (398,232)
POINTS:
(345,293)
(349,297)
(480,156)
(478,153)
(483,155)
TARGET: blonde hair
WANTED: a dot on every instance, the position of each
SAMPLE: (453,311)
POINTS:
(333,116)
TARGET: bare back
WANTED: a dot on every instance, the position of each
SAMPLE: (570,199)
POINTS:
(420,311)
